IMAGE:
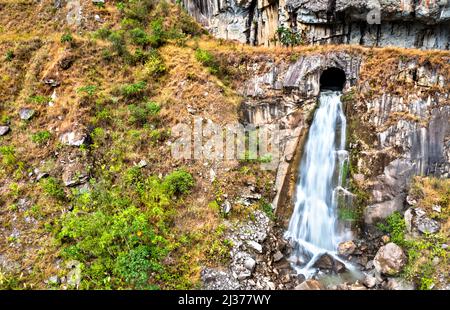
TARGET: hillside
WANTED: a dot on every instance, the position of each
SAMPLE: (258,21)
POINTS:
(91,196)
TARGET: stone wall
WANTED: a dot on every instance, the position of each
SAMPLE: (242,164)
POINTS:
(405,23)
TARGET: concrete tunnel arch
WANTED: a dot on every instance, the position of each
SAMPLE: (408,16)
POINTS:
(332,78)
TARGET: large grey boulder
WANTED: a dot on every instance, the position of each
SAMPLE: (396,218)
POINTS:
(389,259)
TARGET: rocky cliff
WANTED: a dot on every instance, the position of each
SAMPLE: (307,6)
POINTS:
(405,23)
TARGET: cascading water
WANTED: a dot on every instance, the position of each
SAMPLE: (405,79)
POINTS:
(313,227)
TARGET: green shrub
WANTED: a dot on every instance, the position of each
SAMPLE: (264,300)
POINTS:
(129,23)
(141,114)
(89,90)
(396,227)
(157,36)
(66,37)
(288,37)
(139,9)
(39,99)
(154,66)
(207,59)
(102,33)
(53,188)
(8,155)
(139,37)
(178,182)
(118,43)
(9,55)
(41,137)
(133,90)
(267,208)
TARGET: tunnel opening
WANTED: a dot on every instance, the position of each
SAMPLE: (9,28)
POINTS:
(332,79)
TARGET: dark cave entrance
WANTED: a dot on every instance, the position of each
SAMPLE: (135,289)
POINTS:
(332,79)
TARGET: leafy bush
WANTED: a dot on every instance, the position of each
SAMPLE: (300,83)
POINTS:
(41,137)
(178,182)
(133,90)
(118,43)
(139,37)
(8,155)
(141,114)
(39,99)
(66,37)
(53,188)
(157,37)
(289,37)
(88,90)
(207,59)
(102,33)
(9,55)
(154,66)
(395,227)
(267,208)
(139,9)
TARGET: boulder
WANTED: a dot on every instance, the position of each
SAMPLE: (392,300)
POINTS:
(328,262)
(74,174)
(4,130)
(277,256)
(309,285)
(389,259)
(346,248)
(370,281)
(249,263)
(426,225)
(73,138)
(226,207)
(26,114)
(255,246)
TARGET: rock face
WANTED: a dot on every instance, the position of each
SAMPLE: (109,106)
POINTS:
(406,23)
(389,259)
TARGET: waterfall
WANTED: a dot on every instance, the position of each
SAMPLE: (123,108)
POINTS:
(313,228)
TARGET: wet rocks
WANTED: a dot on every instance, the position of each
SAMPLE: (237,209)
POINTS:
(4,130)
(346,248)
(26,114)
(389,259)
(328,262)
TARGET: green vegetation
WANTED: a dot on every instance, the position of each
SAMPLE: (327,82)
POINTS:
(53,188)
(66,38)
(267,208)
(288,37)
(89,90)
(39,99)
(41,137)
(208,60)
(120,233)
(133,90)
(8,155)
(9,55)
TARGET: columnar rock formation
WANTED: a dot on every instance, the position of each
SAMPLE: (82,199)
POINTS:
(405,23)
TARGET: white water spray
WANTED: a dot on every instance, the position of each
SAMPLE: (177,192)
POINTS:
(313,228)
